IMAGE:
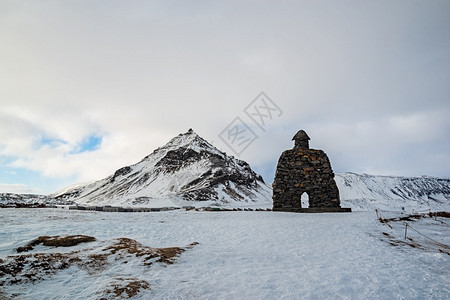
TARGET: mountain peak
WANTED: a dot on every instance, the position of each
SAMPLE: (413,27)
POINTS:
(191,140)
(187,136)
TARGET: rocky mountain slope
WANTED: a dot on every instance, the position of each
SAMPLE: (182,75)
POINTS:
(186,171)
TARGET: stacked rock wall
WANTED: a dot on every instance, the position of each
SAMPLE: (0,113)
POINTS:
(304,171)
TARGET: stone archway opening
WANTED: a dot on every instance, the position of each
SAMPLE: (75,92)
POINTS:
(304,200)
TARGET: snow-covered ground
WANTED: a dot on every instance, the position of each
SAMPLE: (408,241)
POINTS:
(240,255)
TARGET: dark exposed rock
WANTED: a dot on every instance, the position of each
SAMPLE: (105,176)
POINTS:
(173,158)
(68,195)
(121,172)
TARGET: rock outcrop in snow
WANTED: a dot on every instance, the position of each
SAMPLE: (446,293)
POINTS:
(186,171)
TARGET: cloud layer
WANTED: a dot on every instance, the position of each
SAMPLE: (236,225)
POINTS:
(368,81)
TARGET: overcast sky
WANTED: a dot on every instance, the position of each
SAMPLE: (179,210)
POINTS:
(87,87)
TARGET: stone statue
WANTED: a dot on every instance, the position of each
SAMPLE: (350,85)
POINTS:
(303,170)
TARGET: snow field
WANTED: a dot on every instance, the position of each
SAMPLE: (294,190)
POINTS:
(241,255)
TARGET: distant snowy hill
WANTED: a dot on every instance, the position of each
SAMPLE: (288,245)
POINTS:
(186,171)
(11,198)
(368,192)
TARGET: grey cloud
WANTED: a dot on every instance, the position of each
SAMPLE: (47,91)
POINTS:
(368,79)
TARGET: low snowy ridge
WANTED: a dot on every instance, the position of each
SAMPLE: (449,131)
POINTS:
(186,171)
(29,200)
(368,192)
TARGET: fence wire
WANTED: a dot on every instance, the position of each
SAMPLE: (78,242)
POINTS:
(423,212)
(431,239)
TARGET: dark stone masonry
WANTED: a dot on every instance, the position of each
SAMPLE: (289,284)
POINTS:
(304,171)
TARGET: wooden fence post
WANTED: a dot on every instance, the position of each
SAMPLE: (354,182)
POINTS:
(406,229)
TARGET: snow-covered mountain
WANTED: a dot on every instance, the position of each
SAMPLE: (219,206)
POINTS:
(186,171)
(368,192)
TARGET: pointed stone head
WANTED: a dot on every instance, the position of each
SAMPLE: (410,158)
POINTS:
(301,140)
